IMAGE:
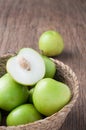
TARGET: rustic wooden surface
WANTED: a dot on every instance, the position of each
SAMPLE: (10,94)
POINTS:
(22,22)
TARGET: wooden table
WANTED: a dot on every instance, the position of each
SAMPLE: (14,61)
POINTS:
(23,21)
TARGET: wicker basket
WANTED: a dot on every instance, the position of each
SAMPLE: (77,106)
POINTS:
(54,122)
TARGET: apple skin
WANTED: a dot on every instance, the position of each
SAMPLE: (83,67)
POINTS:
(30,98)
(22,115)
(51,43)
(12,94)
(50,67)
(50,96)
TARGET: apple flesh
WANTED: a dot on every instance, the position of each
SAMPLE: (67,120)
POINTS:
(50,96)
(51,43)
(27,68)
(50,67)
(12,94)
(22,115)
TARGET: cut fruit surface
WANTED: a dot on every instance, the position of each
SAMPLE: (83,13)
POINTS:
(27,67)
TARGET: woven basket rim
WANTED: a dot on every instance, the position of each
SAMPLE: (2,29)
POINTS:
(66,108)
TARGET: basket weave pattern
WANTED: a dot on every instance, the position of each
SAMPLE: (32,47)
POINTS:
(54,122)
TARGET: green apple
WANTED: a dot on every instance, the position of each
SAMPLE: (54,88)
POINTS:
(50,67)
(12,94)
(22,115)
(27,68)
(50,96)
(51,43)
(30,98)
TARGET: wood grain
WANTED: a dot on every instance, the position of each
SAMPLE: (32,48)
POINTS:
(23,21)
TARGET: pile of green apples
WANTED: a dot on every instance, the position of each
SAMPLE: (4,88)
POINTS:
(28,91)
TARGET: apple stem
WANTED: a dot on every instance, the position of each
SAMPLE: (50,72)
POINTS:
(24,63)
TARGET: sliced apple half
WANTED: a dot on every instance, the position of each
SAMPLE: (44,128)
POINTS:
(27,67)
